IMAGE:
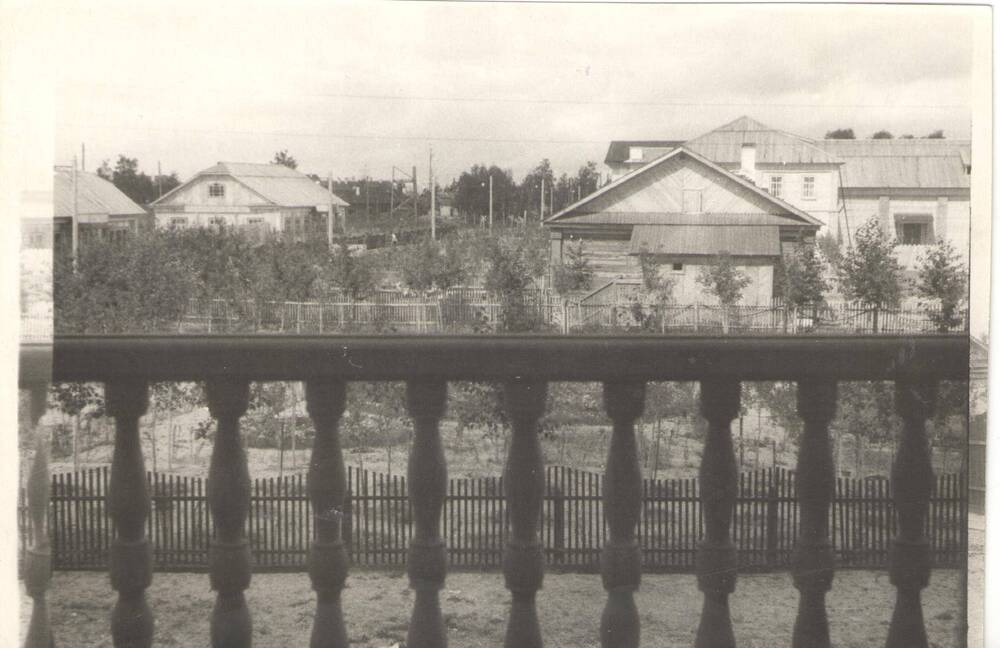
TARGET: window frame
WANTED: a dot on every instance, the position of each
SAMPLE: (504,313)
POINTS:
(775,181)
(216,190)
(922,220)
(809,187)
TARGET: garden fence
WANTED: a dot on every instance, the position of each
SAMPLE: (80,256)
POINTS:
(475,309)
(378,521)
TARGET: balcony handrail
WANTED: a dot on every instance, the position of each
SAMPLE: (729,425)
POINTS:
(495,357)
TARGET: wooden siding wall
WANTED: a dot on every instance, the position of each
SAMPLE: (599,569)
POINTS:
(662,190)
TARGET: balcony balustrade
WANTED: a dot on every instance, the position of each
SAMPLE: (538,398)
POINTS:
(127,365)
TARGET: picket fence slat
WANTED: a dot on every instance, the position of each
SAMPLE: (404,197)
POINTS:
(378,521)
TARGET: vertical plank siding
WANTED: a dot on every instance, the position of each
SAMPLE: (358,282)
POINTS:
(379,521)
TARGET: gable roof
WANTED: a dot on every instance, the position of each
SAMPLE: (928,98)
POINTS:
(783,206)
(275,183)
(902,163)
(94,195)
(618,150)
(724,144)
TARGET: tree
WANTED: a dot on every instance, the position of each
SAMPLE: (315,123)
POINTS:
(138,186)
(941,280)
(829,248)
(352,274)
(882,134)
(866,411)
(938,134)
(510,270)
(141,283)
(73,399)
(869,272)
(284,159)
(531,186)
(575,273)
(726,282)
(840,133)
(433,265)
(472,192)
(801,277)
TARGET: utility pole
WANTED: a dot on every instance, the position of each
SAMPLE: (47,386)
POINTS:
(392,192)
(552,202)
(491,202)
(541,203)
(75,223)
(430,177)
(415,201)
(83,156)
(330,215)
(159,180)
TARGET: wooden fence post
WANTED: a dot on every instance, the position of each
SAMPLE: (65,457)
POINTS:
(773,475)
(558,524)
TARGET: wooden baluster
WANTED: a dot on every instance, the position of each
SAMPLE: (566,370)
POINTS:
(716,560)
(38,557)
(427,478)
(912,483)
(812,562)
(621,561)
(228,493)
(131,560)
(524,485)
(327,486)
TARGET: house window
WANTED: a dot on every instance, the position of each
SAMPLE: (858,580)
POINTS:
(635,154)
(216,190)
(692,201)
(808,187)
(776,186)
(178,221)
(915,229)
(217,221)
(678,267)
(255,221)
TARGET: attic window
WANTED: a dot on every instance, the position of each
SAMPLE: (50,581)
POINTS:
(216,190)
(635,154)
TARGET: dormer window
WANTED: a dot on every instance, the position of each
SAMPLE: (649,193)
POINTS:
(635,154)
(216,190)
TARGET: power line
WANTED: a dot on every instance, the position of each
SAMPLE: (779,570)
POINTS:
(491,99)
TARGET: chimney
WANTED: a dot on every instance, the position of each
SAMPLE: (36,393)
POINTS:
(748,161)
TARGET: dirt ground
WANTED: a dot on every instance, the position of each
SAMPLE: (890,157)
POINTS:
(475,605)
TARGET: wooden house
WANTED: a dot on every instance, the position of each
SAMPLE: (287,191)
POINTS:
(918,189)
(102,210)
(682,210)
(261,198)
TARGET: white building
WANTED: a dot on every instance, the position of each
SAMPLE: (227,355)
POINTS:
(261,197)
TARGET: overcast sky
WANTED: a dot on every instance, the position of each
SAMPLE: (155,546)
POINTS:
(355,89)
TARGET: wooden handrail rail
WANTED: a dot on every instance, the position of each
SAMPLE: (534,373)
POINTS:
(284,357)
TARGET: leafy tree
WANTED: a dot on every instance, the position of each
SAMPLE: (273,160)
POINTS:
(576,273)
(882,134)
(530,189)
(840,133)
(433,265)
(141,283)
(801,277)
(829,248)
(869,272)
(726,282)
(138,186)
(866,410)
(938,134)
(587,179)
(942,279)
(352,274)
(74,399)
(472,192)
(510,270)
(284,159)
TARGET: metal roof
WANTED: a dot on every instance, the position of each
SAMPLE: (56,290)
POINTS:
(737,240)
(724,145)
(670,218)
(896,163)
(618,150)
(276,183)
(94,195)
